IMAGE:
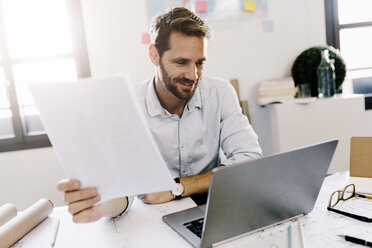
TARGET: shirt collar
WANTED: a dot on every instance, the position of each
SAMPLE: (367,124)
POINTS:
(195,101)
(154,107)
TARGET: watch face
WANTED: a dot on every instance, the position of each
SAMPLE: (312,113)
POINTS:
(179,190)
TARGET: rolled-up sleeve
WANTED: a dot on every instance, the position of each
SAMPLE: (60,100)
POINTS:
(238,140)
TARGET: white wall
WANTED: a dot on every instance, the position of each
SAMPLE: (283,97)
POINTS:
(113,32)
(238,50)
(245,52)
(367,127)
(26,176)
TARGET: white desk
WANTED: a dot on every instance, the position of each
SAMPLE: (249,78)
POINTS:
(143,227)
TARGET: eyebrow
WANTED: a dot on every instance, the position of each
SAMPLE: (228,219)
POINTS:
(185,59)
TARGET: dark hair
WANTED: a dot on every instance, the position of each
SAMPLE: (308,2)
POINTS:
(179,20)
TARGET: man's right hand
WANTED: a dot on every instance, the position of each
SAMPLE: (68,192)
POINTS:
(81,202)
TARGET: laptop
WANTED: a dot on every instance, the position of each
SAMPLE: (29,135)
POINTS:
(256,194)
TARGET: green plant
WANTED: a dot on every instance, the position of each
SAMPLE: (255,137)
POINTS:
(304,68)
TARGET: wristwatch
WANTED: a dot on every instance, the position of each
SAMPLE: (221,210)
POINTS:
(177,192)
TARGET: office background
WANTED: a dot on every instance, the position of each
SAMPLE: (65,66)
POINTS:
(239,49)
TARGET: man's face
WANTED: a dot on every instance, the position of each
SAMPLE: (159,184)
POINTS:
(180,67)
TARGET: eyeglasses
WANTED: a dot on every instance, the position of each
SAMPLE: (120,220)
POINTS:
(342,195)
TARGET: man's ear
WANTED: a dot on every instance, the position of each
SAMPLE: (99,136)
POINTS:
(154,55)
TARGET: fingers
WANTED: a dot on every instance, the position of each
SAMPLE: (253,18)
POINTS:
(68,185)
(155,198)
(81,201)
(78,195)
(141,197)
(78,206)
(145,198)
(90,214)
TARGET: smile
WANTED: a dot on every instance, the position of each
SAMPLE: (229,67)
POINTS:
(187,86)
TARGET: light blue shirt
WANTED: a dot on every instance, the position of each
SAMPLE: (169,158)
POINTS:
(212,120)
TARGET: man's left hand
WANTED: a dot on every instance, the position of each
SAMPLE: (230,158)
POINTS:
(155,198)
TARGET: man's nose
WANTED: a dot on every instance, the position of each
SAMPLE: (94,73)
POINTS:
(192,72)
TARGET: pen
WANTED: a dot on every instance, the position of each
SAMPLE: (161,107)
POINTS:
(364,196)
(301,235)
(290,236)
(356,240)
(55,234)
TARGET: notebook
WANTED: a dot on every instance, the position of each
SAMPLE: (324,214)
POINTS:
(256,194)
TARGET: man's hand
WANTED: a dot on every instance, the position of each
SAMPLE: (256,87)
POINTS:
(81,202)
(155,198)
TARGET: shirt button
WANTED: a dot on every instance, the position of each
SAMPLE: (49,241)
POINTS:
(182,147)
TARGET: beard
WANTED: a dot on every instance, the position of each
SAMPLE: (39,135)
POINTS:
(171,84)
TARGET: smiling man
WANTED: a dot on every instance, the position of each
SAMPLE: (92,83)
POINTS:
(192,117)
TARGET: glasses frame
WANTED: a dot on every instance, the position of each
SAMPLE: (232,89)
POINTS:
(340,196)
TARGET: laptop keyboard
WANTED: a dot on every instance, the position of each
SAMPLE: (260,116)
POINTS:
(195,226)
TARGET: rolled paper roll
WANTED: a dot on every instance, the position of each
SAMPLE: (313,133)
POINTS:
(7,211)
(17,227)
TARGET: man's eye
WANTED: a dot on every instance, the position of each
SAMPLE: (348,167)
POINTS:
(201,63)
(181,62)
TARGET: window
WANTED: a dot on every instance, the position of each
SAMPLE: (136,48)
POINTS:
(349,28)
(40,41)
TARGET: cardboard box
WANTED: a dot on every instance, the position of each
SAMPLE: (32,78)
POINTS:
(361,163)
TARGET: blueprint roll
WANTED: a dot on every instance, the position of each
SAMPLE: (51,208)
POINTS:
(7,211)
(20,225)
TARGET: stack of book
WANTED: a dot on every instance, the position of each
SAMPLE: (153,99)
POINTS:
(277,90)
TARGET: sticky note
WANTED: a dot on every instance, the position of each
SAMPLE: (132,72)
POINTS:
(185,3)
(249,6)
(146,38)
(201,6)
(267,26)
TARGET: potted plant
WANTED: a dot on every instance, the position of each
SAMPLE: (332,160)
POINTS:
(304,68)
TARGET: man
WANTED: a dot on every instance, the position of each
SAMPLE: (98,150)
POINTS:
(191,118)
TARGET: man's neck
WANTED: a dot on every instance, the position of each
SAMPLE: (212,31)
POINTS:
(171,103)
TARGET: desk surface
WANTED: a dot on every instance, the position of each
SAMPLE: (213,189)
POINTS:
(142,226)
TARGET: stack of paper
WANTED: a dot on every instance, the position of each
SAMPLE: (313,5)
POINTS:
(276,90)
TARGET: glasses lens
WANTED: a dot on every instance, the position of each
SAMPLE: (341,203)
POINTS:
(334,199)
(349,192)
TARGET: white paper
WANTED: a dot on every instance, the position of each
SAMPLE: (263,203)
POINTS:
(101,137)
(141,226)
(363,185)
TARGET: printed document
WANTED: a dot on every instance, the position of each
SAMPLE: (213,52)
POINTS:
(101,137)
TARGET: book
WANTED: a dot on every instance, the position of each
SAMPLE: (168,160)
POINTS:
(276,90)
